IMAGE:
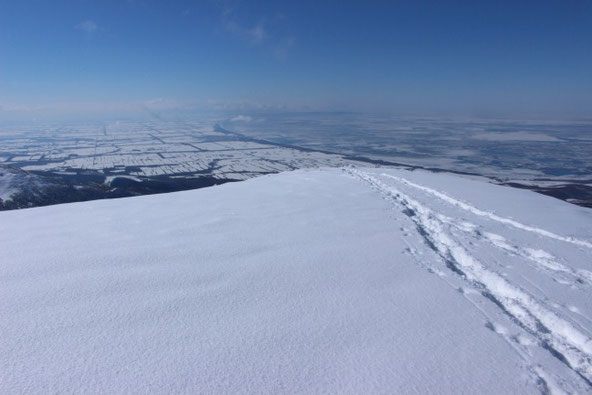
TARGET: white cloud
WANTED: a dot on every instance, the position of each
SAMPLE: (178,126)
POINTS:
(87,26)
(241,118)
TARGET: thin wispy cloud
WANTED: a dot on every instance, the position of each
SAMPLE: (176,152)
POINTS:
(254,35)
(151,106)
(257,34)
(243,105)
(256,30)
(87,26)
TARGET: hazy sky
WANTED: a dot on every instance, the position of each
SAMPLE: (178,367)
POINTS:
(396,56)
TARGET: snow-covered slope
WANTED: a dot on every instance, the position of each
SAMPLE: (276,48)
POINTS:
(343,281)
(16,181)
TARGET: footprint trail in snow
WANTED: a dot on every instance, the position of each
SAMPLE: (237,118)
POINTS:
(497,273)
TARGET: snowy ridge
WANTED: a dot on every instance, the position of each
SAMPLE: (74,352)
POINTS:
(559,336)
(351,280)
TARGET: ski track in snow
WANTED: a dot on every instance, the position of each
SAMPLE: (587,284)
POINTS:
(555,334)
(490,215)
(519,343)
(541,258)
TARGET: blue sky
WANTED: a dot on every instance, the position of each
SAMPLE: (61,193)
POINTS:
(387,56)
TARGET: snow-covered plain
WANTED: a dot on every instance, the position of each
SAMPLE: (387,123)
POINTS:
(153,149)
(346,280)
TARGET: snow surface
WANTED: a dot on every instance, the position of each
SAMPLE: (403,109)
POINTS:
(339,280)
(6,185)
(13,181)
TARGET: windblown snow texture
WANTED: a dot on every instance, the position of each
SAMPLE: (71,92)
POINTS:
(341,281)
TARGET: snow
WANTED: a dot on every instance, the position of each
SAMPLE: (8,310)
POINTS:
(151,150)
(350,280)
(514,136)
(6,185)
(13,181)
